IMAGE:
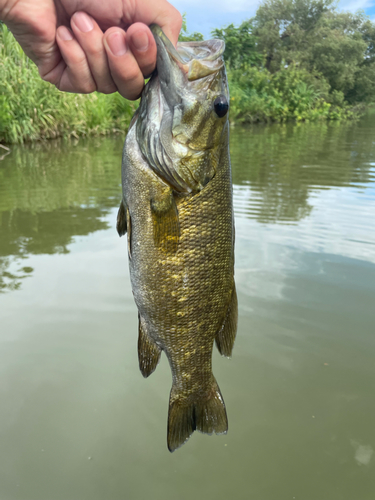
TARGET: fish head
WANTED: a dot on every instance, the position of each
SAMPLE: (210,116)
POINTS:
(186,107)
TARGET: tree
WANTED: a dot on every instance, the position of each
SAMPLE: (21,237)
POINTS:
(240,45)
(283,28)
(311,34)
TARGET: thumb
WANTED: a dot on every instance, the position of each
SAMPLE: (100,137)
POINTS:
(161,13)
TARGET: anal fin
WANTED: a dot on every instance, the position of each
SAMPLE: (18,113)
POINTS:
(165,221)
(227,333)
(148,351)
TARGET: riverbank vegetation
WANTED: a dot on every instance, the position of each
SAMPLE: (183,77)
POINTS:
(31,109)
(296,59)
(300,59)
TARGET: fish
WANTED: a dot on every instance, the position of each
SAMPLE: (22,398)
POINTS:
(177,212)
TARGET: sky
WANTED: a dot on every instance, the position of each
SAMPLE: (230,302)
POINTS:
(204,15)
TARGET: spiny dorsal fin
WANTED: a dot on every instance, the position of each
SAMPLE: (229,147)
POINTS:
(227,333)
(165,221)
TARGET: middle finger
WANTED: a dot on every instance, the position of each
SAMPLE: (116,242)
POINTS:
(90,37)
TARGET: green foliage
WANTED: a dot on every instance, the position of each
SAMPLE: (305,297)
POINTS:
(340,46)
(337,50)
(296,59)
(292,93)
(31,109)
(240,45)
(283,28)
(301,60)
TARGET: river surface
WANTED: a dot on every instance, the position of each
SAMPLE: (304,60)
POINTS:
(77,419)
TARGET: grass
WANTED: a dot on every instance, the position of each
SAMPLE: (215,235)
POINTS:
(31,109)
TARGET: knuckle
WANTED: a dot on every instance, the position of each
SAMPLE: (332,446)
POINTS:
(132,73)
(94,50)
(131,94)
(78,60)
(88,88)
(50,75)
(50,79)
(147,70)
(109,88)
(59,85)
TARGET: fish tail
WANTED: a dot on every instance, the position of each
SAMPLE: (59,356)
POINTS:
(202,411)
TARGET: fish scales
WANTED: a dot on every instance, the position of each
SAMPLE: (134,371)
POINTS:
(181,253)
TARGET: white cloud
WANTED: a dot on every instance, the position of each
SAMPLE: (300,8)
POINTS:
(211,7)
(214,6)
(210,14)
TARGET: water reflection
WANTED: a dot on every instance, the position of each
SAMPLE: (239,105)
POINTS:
(277,168)
(49,194)
(12,280)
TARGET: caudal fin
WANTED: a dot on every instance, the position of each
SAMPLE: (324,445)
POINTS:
(204,412)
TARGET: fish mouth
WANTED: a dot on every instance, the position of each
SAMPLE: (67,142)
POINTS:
(186,80)
(195,59)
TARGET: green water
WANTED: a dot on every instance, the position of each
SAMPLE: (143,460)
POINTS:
(77,419)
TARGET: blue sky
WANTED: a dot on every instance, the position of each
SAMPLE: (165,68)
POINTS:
(204,15)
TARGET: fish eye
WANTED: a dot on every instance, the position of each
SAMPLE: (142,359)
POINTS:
(221,106)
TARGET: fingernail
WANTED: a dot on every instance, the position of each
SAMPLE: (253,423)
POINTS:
(140,40)
(116,42)
(83,22)
(65,34)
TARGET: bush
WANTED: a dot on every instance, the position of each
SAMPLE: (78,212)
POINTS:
(291,93)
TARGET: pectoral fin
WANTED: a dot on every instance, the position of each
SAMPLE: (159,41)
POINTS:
(124,224)
(148,351)
(121,220)
(227,333)
(165,221)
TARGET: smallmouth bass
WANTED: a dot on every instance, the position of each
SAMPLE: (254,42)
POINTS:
(177,212)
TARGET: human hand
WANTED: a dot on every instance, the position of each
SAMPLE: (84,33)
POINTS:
(72,52)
